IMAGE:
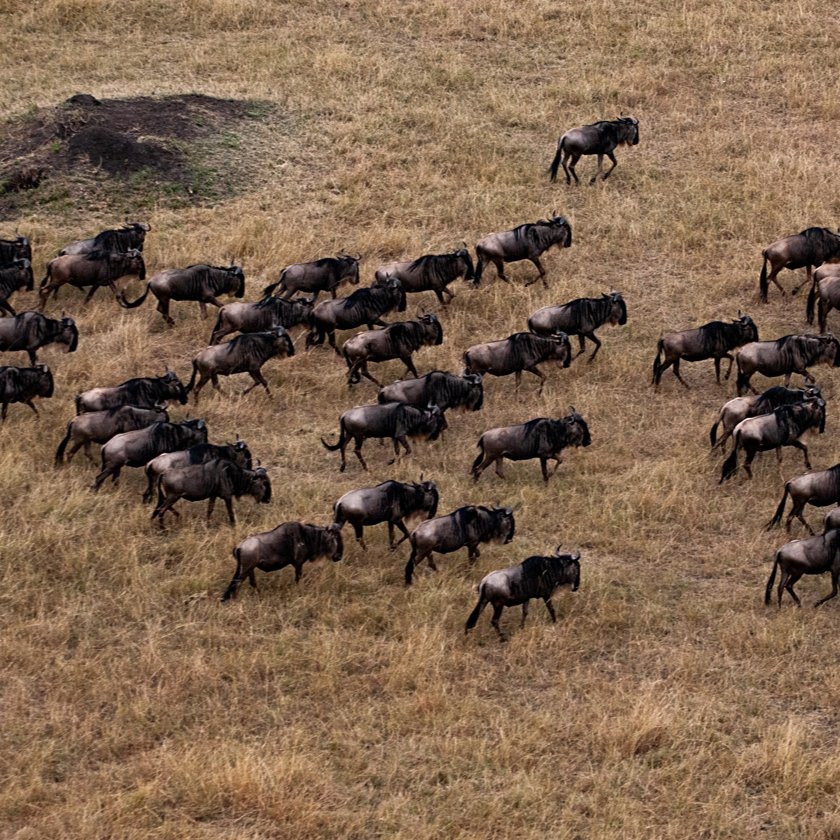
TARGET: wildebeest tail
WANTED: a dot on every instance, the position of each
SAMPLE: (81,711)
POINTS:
(479,267)
(59,453)
(125,304)
(742,383)
(78,401)
(268,290)
(762,279)
(474,615)
(730,465)
(342,439)
(777,518)
(231,590)
(769,591)
(479,457)
(812,299)
(409,566)
(657,364)
(47,276)
(150,485)
(555,164)
(713,432)
(191,383)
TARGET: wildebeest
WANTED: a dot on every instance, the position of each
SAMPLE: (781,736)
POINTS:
(143,392)
(826,287)
(18,248)
(525,242)
(261,315)
(101,426)
(324,275)
(391,502)
(201,283)
(396,341)
(711,341)
(598,138)
(783,427)
(96,269)
(786,355)
(516,353)
(130,235)
(819,488)
(431,272)
(30,331)
(392,420)
(364,306)
(137,448)
(22,385)
(536,577)
(244,354)
(541,438)
(441,388)
(580,317)
(812,556)
(289,544)
(808,249)
(465,527)
(13,277)
(216,479)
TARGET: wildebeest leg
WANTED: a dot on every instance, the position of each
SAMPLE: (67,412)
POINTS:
(500,268)
(524,615)
(114,472)
(357,451)
(824,308)
(473,553)
(3,412)
(611,156)
(401,525)
(779,455)
(550,607)
(210,505)
(593,338)
(717,369)
(572,164)
(298,571)
(538,373)
(7,307)
(409,366)
(792,578)
(499,462)
(594,178)
(497,614)
(90,294)
(544,468)
(731,362)
(582,341)
(331,339)
(259,379)
(252,579)
(202,381)
(363,370)
(807,280)
(835,573)
(517,378)
(799,445)
(26,402)
(541,275)
(748,461)
(163,308)
(33,359)
(566,156)
(479,468)
(676,370)
(229,506)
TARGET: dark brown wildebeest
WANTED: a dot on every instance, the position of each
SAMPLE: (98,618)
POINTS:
(243,354)
(826,287)
(811,556)
(22,385)
(711,341)
(130,235)
(541,438)
(517,353)
(143,392)
(396,341)
(96,269)
(391,502)
(465,527)
(15,276)
(783,427)
(535,577)
(14,249)
(324,275)
(820,489)
(808,249)
(598,138)
(393,420)
(30,331)
(580,317)
(440,388)
(526,242)
(262,315)
(289,544)
(431,273)
(785,356)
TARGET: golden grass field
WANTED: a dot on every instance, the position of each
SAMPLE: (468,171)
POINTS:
(667,702)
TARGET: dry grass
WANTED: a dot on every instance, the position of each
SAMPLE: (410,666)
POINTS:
(667,702)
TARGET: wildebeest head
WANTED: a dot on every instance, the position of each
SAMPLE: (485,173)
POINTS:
(507,524)
(237,272)
(433,422)
(261,486)
(45,381)
(571,568)
(563,348)
(68,334)
(434,327)
(749,331)
(429,497)
(198,426)
(464,254)
(629,130)
(829,350)
(131,262)
(242,453)
(476,396)
(618,309)
(395,287)
(577,430)
(333,541)
(283,341)
(349,268)
(173,388)
(24,273)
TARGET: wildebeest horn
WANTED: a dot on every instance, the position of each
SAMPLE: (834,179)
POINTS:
(576,556)
(557,550)
(258,462)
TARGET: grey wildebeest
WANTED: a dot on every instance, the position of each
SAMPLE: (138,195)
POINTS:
(826,287)
(261,315)
(143,392)
(541,438)
(96,269)
(216,479)
(138,447)
(15,249)
(819,488)
(714,340)
(580,317)
(526,242)
(30,331)
(812,556)
(396,341)
(465,527)
(201,283)
(440,388)
(536,577)
(391,502)
(130,235)
(101,426)
(16,276)
(22,385)
(785,356)
(431,272)
(364,306)
(324,275)
(243,354)
(289,544)
(516,353)
(784,427)
(598,138)
(393,420)
(808,249)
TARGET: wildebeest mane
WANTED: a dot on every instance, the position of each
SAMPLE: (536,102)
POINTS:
(443,389)
(820,235)
(440,267)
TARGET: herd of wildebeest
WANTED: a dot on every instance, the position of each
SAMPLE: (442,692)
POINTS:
(131,423)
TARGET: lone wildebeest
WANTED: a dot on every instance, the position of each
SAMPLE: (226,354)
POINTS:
(431,273)
(580,317)
(324,275)
(201,283)
(143,392)
(244,354)
(396,341)
(440,388)
(516,353)
(535,577)
(262,315)
(819,488)
(812,556)
(16,276)
(30,331)
(391,502)
(96,269)
(711,341)
(541,438)
(130,235)
(289,544)
(598,138)
(22,385)
(465,527)
(826,287)
(808,249)
(526,242)
(14,249)
(787,355)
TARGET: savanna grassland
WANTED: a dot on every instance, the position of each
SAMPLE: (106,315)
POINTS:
(667,702)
